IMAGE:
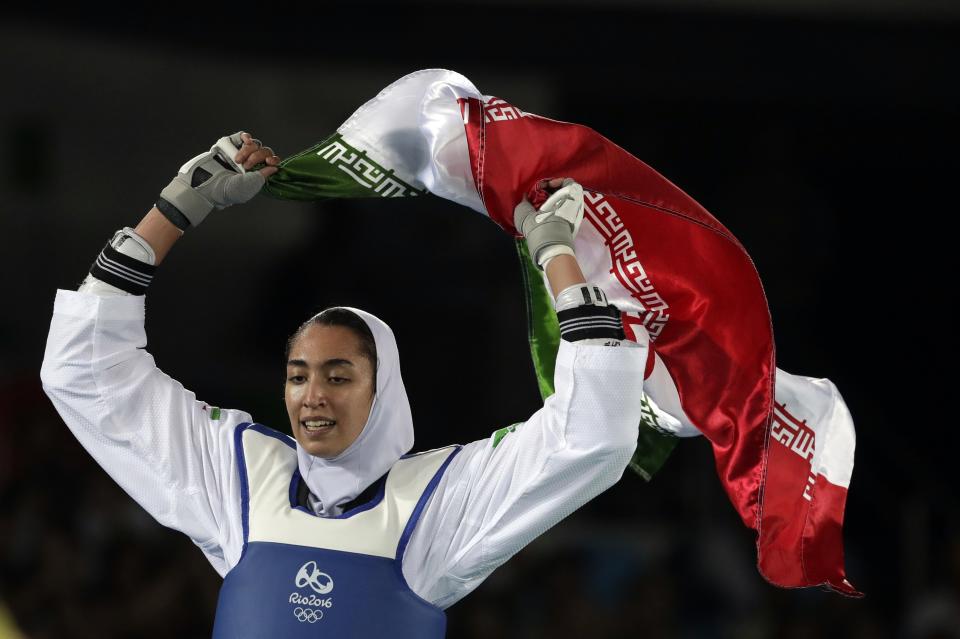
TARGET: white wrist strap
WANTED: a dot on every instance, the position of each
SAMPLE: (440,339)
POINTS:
(580,295)
(129,242)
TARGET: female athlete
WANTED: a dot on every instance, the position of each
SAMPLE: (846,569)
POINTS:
(339,530)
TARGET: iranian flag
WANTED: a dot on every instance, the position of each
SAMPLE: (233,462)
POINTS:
(783,444)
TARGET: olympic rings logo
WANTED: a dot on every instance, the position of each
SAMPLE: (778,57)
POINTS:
(308,615)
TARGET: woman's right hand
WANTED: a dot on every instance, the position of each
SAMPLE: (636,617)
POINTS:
(217,179)
(252,152)
(165,222)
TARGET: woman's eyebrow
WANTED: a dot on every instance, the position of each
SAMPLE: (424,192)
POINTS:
(336,361)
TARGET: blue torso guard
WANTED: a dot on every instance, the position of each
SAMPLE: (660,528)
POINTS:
(306,576)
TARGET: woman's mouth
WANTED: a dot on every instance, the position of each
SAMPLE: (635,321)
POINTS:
(318,425)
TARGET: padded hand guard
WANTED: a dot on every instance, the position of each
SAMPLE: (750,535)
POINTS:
(210,180)
(550,231)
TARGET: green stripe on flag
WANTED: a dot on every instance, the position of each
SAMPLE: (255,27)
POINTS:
(335,169)
(543,329)
(503,432)
(654,444)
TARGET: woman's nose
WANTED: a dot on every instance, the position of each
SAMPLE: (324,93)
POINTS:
(316,395)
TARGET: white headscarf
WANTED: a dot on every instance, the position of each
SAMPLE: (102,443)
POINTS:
(387,435)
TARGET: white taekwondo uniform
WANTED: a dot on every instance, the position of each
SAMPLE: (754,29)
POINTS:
(175,455)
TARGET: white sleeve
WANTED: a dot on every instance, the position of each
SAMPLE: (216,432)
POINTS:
(173,454)
(498,494)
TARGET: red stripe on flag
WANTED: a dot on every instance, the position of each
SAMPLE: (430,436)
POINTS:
(802,513)
(717,342)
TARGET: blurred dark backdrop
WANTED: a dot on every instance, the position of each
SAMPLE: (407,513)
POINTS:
(819,133)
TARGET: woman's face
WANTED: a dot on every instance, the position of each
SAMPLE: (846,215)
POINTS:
(329,389)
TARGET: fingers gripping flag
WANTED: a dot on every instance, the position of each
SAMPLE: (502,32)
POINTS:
(783,444)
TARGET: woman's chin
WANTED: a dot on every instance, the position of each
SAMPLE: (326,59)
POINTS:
(319,448)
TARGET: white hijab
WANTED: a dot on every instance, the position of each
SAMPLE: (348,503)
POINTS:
(386,436)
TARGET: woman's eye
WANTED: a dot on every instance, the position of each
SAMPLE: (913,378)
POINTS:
(296,379)
(338,380)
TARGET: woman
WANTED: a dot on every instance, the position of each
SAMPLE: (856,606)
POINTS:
(337,530)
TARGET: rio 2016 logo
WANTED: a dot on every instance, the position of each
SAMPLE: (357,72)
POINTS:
(310,600)
(309,575)
(312,605)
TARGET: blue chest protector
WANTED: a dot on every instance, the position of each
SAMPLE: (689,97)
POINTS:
(306,576)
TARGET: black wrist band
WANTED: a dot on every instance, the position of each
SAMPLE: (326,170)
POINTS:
(173,214)
(126,273)
(590,322)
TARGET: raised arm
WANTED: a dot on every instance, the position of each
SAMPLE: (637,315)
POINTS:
(172,453)
(158,229)
(502,492)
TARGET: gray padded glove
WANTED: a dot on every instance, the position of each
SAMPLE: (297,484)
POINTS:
(210,180)
(550,231)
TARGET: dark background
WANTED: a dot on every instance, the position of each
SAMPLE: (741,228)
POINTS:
(819,133)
